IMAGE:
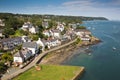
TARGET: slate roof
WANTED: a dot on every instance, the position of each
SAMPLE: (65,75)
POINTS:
(11,39)
(19,54)
(30,44)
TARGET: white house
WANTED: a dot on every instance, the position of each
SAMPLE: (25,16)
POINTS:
(40,43)
(45,24)
(25,39)
(85,37)
(22,55)
(33,30)
(1,23)
(31,46)
(60,27)
(51,43)
(46,33)
(26,26)
(80,32)
(56,33)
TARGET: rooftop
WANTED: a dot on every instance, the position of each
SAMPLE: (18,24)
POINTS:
(30,44)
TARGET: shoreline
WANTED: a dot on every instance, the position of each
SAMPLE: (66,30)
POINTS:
(78,74)
(65,53)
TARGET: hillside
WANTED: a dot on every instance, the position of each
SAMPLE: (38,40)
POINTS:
(52,17)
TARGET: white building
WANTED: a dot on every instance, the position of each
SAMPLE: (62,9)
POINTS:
(51,43)
(56,33)
(25,39)
(60,27)
(80,32)
(33,30)
(45,24)
(46,33)
(22,56)
(26,26)
(85,38)
(1,23)
(40,43)
(31,46)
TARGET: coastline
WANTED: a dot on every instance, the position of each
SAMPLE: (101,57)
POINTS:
(63,54)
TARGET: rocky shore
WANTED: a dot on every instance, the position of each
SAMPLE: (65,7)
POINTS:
(59,56)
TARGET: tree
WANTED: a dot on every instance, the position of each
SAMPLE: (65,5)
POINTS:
(7,58)
(8,31)
(41,35)
(19,47)
(24,32)
(81,27)
(35,37)
(2,67)
(38,23)
(14,23)
(41,28)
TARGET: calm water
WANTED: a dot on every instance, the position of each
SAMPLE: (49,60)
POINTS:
(104,62)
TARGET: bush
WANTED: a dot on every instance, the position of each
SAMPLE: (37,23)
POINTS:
(81,27)
(3,67)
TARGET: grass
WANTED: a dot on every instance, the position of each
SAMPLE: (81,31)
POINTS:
(50,72)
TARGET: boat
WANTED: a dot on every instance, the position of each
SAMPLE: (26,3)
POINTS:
(89,54)
(113,48)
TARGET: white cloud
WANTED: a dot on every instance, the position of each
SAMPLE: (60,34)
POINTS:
(79,8)
(94,8)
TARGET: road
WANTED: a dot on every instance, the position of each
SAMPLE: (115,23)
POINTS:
(35,61)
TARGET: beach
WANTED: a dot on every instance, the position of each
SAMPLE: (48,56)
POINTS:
(63,54)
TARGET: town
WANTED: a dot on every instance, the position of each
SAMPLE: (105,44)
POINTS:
(28,41)
(59,39)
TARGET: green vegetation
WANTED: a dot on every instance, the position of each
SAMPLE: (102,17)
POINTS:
(7,58)
(19,33)
(5,61)
(3,67)
(81,27)
(78,41)
(34,37)
(15,21)
(50,72)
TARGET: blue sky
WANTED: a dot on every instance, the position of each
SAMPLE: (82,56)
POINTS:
(98,8)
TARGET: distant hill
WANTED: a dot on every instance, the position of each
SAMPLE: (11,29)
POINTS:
(52,17)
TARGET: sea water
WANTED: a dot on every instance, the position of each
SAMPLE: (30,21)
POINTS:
(104,61)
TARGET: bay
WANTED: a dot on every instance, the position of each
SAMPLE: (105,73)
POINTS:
(104,61)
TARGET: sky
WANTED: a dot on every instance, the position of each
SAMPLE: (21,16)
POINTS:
(92,8)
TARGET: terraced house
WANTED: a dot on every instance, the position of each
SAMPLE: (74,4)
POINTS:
(10,43)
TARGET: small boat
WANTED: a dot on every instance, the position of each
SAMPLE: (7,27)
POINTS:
(113,48)
(89,54)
